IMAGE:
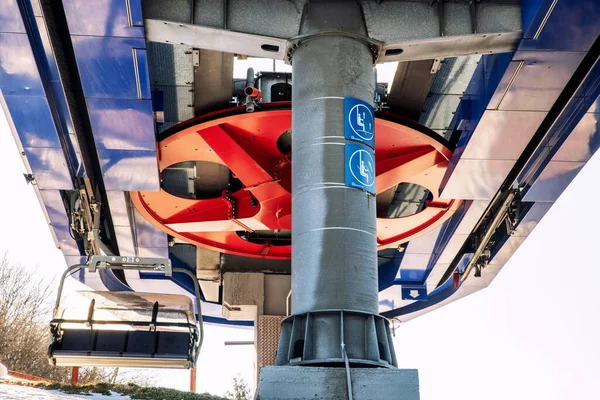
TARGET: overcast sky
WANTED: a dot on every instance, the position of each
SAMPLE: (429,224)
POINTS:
(533,334)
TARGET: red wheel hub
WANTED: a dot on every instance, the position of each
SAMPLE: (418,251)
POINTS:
(247,144)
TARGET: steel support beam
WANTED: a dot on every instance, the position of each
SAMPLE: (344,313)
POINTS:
(276,48)
(202,37)
(401,30)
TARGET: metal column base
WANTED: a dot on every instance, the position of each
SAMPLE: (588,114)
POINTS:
(328,338)
(319,383)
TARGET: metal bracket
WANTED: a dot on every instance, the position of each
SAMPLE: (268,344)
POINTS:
(374,45)
(195,57)
(136,263)
(29,179)
(437,64)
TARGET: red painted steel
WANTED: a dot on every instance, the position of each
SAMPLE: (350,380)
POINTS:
(247,144)
(193,380)
(74,375)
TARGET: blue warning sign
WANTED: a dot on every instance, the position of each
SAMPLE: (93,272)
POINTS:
(418,293)
(360,167)
(359,121)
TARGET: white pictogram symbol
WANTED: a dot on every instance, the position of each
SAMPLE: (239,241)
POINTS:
(362,167)
(361,121)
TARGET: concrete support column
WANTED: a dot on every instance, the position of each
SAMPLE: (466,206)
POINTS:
(334,252)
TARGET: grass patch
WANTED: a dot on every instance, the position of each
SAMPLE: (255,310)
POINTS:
(132,390)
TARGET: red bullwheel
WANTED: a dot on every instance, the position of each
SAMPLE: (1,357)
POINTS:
(239,198)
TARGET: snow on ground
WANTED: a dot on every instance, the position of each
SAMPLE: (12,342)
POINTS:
(15,392)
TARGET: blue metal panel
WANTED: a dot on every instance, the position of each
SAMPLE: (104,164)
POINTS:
(112,282)
(147,235)
(49,167)
(485,86)
(143,74)
(495,69)
(569,131)
(504,251)
(118,204)
(477,179)
(497,142)
(461,146)
(10,17)
(417,293)
(503,85)
(583,141)
(104,18)
(118,208)
(108,41)
(33,121)
(437,272)
(55,207)
(122,124)
(66,242)
(532,82)
(388,271)
(135,12)
(52,69)
(571,26)
(30,111)
(553,181)
(464,262)
(425,243)
(446,245)
(157,252)
(129,169)
(25,63)
(502,135)
(472,214)
(420,256)
(124,240)
(434,298)
(55,91)
(541,79)
(18,71)
(222,321)
(414,268)
(107,67)
(180,279)
(451,248)
(530,10)
(62,107)
(78,259)
(531,219)
(391,298)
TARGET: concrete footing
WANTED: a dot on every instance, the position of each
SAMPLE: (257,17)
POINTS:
(319,383)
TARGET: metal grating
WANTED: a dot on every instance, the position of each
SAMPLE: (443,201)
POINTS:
(268,331)
(172,72)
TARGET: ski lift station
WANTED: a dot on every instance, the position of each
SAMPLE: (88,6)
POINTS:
(315,169)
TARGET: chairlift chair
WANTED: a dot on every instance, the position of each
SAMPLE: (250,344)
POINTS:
(126,329)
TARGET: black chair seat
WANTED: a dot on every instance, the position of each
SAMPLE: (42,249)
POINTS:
(103,343)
